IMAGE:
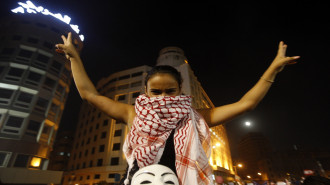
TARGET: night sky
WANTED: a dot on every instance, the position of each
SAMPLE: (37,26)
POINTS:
(228,45)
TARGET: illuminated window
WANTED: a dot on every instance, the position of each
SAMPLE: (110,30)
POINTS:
(35,162)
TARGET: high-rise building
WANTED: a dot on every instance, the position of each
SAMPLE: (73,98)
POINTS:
(34,84)
(59,156)
(97,151)
(254,150)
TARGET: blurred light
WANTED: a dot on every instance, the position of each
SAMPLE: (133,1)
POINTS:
(247,123)
(248,176)
(31,8)
(213,146)
(259,173)
(35,162)
(240,165)
(218,144)
(186,61)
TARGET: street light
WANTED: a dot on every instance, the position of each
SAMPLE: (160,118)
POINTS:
(238,165)
(247,123)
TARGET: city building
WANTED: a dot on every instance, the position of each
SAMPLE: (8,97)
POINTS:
(59,156)
(34,84)
(262,163)
(254,150)
(97,151)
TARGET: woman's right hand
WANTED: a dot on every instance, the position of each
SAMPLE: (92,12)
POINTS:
(67,47)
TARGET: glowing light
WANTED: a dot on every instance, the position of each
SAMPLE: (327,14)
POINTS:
(186,61)
(240,165)
(247,123)
(213,146)
(31,8)
(248,176)
(218,144)
(259,173)
(35,162)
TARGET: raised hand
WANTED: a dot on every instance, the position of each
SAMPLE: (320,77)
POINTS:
(67,47)
(281,60)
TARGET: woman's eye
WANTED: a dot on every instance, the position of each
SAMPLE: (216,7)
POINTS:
(169,182)
(145,182)
(156,92)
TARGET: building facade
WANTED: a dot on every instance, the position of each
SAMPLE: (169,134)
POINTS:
(97,152)
(34,84)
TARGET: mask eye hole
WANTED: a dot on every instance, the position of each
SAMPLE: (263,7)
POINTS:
(169,182)
(146,182)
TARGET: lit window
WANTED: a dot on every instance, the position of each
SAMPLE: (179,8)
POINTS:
(35,162)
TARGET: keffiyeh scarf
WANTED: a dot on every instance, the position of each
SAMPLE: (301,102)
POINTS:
(155,118)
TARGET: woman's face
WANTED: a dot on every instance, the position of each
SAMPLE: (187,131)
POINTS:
(162,84)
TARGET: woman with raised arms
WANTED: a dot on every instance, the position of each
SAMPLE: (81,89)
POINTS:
(165,129)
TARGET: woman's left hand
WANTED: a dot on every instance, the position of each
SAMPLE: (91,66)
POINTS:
(281,60)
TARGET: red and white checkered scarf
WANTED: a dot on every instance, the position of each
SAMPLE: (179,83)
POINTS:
(155,118)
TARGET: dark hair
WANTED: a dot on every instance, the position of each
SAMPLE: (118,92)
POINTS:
(164,69)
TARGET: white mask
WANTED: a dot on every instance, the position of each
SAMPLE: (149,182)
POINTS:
(155,175)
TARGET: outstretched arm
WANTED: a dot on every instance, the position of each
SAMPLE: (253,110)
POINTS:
(87,89)
(251,99)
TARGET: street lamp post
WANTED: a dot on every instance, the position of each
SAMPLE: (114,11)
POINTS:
(235,167)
